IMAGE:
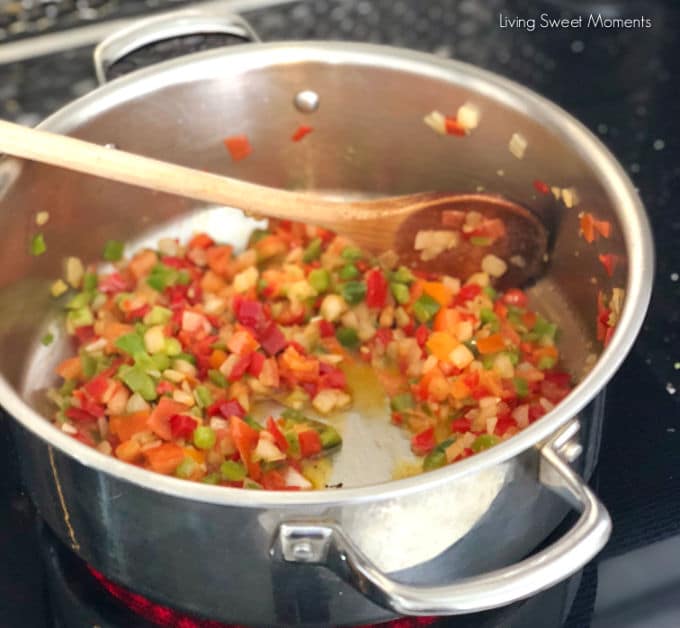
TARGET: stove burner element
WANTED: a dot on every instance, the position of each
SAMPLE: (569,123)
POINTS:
(168,617)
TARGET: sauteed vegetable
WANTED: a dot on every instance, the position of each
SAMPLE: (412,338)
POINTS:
(177,347)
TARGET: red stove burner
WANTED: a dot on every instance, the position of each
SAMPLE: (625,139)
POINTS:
(170,618)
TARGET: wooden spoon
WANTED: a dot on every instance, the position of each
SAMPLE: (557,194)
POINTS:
(377,225)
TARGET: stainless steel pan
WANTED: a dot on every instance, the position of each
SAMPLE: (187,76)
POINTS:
(447,542)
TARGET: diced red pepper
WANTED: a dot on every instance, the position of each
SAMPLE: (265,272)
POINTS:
(249,312)
(331,377)
(384,335)
(310,443)
(273,480)
(609,262)
(78,414)
(201,241)
(182,426)
(238,146)
(240,367)
(96,387)
(422,334)
(112,284)
(423,442)
(453,127)
(137,314)
(301,131)
(503,424)
(256,363)
(85,334)
(515,297)
(326,328)
(468,292)
(272,339)
(376,289)
(176,262)
(279,438)
(227,409)
(164,387)
(541,186)
(461,425)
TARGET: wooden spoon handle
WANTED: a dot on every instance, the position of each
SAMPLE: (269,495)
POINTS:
(118,165)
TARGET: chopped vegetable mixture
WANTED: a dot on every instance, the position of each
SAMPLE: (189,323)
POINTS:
(176,347)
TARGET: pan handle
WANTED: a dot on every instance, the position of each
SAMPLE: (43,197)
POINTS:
(326,544)
(168,25)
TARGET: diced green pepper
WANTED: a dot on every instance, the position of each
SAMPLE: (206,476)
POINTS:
(257,235)
(160,361)
(487,315)
(162,276)
(183,277)
(425,308)
(204,437)
(293,443)
(402,401)
(544,329)
(354,292)
(488,361)
(89,364)
(348,271)
(82,317)
(82,299)
(140,382)
(252,484)
(480,241)
(484,442)
(172,347)
(90,282)
(351,254)
(347,337)
(158,315)
(313,251)
(232,471)
(402,275)
(113,250)
(47,339)
(211,478)
(319,279)
(400,292)
(546,362)
(437,457)
(187,357)
(38,246)
(252,422)
(490,292)
(293,415)
(202,396)
(330,437)
(217,378)
(130,343)
(521,386)
(185,468)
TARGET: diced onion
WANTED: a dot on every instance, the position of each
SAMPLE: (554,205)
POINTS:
(518,145)
(41,218)
(494,265)
(183,397)
(136,404)
(433,243)
(521,415)
(268,451)
(461,356)
(436,121)
(468,116)
(294,478)
(73,271)
(58,288)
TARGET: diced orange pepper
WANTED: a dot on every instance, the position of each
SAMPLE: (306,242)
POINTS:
(201,241)
(165,458)
(446,320)
(438,291)
(270,246)
(70,368)
(529,319)
(587,227)
(124,426)
(159,419)
(219,260)
(217,358)
(491,344)
(129,451)
(460,390)
(242,343)
(548,352)
(603,227)
(142,263)
(212,282)
(440,344)
(195,454)
(238,146)
(114,330)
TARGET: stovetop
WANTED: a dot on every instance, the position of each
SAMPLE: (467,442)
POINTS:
(622,83)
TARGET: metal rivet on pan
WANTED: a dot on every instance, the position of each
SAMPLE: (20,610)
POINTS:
(306,101)
(112,146)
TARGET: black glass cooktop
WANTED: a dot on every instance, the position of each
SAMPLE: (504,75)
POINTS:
(620,82)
